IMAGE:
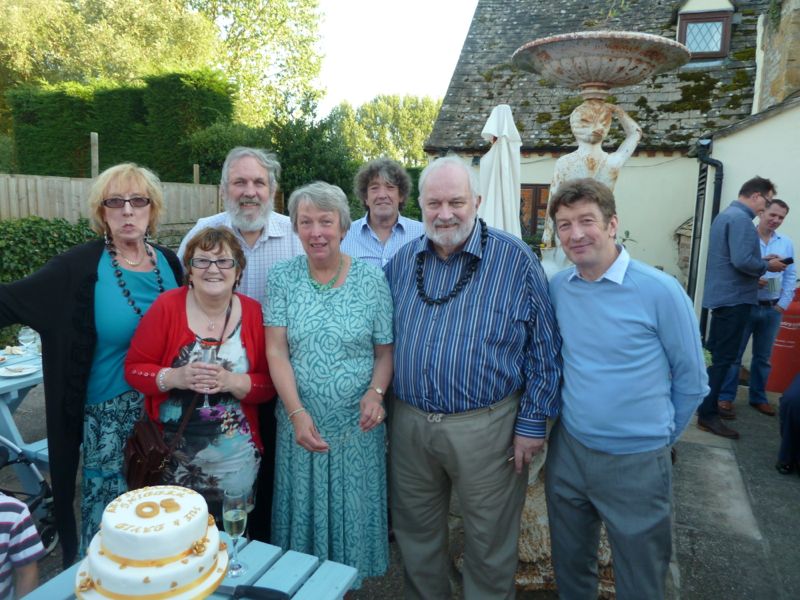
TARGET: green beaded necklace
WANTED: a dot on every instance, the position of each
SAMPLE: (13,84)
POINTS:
(324,287)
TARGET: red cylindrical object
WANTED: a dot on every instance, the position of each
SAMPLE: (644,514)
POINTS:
(785,357)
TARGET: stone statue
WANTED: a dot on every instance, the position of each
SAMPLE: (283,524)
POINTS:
(590,123)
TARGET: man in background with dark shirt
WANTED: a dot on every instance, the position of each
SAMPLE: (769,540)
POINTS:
(733,269)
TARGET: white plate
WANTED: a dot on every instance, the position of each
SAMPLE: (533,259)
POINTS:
(18,371)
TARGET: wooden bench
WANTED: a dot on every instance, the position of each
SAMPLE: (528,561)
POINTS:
(302,576)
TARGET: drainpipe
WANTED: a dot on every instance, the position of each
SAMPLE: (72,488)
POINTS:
(704,146)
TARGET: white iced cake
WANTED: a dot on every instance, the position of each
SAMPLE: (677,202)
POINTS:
(155,542)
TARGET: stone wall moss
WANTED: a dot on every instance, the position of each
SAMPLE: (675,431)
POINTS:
(544,117)
(746,54)
(696,95)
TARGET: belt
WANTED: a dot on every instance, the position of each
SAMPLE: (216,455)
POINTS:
(439,417)
(768,302)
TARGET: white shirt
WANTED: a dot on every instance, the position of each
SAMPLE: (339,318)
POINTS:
(279,243)
(362,242)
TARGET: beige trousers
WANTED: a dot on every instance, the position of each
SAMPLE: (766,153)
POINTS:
(467,452)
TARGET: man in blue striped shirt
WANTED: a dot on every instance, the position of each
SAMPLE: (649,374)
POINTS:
(382,185)
(633,375)
(477,370)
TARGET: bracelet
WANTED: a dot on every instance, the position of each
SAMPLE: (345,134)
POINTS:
(162,375)
(296,411)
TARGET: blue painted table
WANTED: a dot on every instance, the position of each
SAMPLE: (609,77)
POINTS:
(301,576)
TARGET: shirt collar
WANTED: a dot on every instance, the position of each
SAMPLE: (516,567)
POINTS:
(398,225)
(272,230)
(615,273)
(745,208)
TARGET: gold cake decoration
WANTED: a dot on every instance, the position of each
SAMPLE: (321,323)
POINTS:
(169,505)
(199,547)
(86,584)
(147,510)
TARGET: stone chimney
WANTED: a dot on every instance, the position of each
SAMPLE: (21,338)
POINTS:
(780,49)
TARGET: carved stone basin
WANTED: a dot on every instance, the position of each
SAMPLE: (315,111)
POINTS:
(595,61)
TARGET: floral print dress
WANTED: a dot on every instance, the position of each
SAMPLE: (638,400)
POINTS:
(216,451)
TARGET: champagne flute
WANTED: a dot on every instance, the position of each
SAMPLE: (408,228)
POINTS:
(234,520)
(208,355)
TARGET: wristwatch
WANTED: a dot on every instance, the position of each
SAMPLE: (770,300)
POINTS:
(378,390)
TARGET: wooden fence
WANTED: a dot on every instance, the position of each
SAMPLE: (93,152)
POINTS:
(65,197)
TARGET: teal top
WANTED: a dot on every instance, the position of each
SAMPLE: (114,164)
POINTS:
(115,322)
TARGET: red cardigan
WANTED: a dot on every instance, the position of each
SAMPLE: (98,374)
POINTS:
(164,330)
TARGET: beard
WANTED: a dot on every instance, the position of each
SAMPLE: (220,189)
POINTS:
(245,222)
(451,238)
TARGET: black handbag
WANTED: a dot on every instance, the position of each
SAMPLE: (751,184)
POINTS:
(146,455)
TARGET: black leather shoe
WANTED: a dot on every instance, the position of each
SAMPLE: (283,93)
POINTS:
(717,427)
(783,468)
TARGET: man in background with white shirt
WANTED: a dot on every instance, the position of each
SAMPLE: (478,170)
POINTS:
(382,185)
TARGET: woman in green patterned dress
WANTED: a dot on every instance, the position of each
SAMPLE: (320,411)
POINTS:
(328,320)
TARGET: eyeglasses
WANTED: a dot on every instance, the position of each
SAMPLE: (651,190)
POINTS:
(205,263)
(135,202)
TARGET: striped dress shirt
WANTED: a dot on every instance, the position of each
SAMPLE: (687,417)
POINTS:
(498,335)
(278,243)
(361,241)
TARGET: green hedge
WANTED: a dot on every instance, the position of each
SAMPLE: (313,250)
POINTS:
(146,122)
(27,244)
(178,105)
(51,127)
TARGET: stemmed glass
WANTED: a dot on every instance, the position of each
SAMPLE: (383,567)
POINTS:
(208,355)
(27,338)
(234,519)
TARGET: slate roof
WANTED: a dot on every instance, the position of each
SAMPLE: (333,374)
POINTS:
(674,109)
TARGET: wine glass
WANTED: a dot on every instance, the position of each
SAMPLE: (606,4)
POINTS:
(27,338)
(234,520)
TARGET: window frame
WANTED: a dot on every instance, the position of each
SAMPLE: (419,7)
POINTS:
(723,16)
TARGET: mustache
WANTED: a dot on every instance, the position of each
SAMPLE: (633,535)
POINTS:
(445,222)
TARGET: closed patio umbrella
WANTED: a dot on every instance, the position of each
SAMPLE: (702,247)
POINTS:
(499,172)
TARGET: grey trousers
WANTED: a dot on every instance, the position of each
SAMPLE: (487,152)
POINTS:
(465,452)
(631,494)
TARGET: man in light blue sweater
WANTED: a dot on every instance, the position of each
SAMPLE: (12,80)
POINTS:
(633,375)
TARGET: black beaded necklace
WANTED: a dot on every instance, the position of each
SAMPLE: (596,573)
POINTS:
(112,252)
(466,275)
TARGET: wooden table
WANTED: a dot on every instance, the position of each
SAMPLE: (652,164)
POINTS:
(301,576)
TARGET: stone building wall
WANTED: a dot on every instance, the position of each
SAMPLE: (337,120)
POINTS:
(781,47)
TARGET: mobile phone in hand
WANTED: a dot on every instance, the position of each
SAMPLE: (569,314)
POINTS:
(788,260)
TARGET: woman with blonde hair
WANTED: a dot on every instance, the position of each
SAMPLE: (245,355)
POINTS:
(86,303)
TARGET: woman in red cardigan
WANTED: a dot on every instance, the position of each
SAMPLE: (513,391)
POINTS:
(205,343)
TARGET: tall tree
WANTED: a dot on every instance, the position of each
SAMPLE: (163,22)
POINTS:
(270,51)
(393,126)
(52,41)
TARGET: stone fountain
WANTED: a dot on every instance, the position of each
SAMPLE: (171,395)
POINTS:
(593,62)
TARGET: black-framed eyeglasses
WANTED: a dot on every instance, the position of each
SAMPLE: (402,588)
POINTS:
(117,202)
(205,263)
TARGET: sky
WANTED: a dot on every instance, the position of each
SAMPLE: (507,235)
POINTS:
(374,47)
